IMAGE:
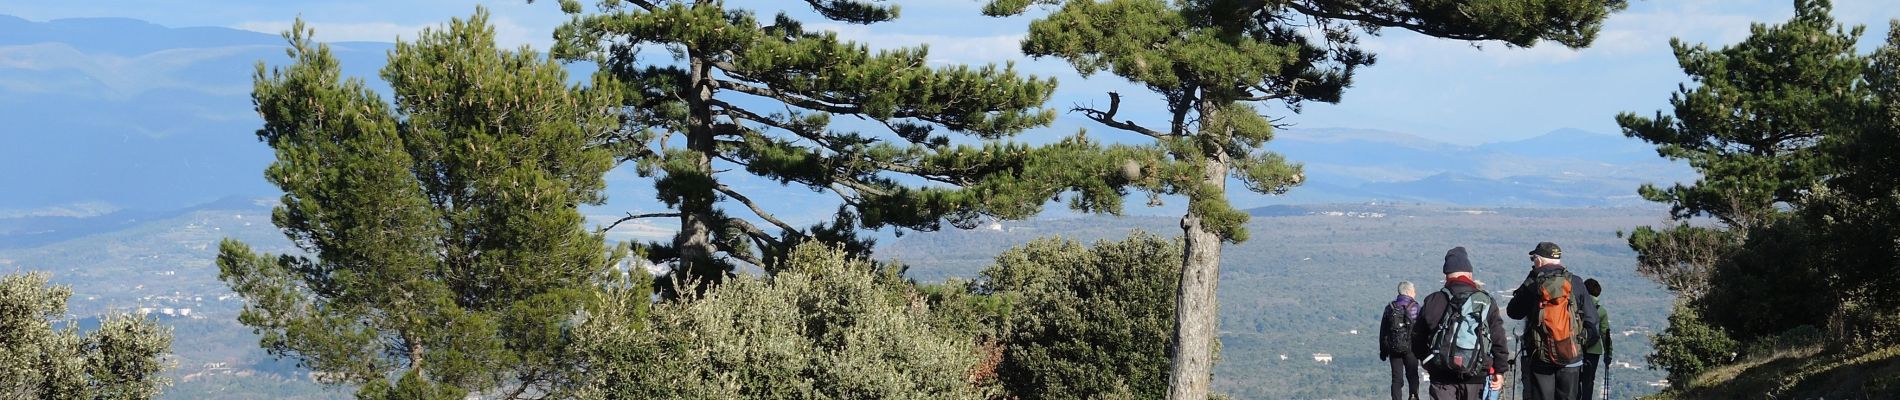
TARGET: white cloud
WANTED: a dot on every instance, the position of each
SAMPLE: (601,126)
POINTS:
(944,49)
(508,33)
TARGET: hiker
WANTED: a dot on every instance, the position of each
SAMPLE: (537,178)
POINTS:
(1395,342)
(1596,355)
(1460,336)
(1555,331)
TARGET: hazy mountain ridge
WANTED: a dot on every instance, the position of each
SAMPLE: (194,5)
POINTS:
(1561,168)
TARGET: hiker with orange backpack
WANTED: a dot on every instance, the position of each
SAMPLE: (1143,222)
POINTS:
(1552,303)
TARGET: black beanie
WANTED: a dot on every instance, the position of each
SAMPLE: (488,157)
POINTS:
(1456,261)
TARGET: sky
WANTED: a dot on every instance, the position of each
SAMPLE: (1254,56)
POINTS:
(1444,90)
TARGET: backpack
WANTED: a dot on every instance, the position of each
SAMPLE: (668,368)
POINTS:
(1555,337)
(1462,343)
(1397,338)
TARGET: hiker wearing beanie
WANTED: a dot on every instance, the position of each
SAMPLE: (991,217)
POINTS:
(1395,342)
(1553,304)
(1594,357)
(1459,336)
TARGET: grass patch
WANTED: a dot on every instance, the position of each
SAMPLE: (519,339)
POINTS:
(1799,373)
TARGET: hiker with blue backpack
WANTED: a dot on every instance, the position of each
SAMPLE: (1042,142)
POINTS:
(1460,335)
(1551,302)
(1395,342)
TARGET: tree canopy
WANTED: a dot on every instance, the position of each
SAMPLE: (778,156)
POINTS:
(441,243)
(714,92)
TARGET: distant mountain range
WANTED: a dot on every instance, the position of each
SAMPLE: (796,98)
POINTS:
(1561,168)
(123,114)
(134,115)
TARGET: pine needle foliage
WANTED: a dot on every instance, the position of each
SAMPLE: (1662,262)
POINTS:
(441,245)
(714,92)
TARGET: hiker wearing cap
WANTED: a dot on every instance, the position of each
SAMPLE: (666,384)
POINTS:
(1459,336)
(1596,355)
(1552,302)
(1395,342)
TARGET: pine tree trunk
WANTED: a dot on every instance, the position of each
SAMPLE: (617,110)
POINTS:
(694,240)
(1196,310)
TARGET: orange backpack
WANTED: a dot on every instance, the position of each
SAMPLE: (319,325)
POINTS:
(1555,337)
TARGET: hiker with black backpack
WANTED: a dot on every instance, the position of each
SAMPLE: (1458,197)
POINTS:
(1395,342)
(1556,330)
(1460,335)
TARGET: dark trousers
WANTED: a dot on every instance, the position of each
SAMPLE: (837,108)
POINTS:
(1457,391)
(1551,383)
(1404,376)
(1587,380)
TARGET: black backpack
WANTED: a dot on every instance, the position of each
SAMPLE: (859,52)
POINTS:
(1462,344)
(1397,338)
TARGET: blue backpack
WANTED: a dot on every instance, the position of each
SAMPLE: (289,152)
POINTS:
(1462,343)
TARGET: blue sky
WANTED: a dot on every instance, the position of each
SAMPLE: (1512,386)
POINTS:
(1444,90)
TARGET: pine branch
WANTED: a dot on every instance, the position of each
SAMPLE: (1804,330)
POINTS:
(1108,117)
(1375,20)
(767,216)
(632,216)
(759,237)
(827,143)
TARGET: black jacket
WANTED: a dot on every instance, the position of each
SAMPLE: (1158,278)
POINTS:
(1524,304)
(1385,328)
(1432,312)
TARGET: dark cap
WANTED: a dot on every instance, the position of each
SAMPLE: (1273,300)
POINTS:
(1548,250)
(1592,286)
(1457,261)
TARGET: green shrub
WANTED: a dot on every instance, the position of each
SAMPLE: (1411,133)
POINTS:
(1086,323)
(825,327)
(120,360)
(1690,345)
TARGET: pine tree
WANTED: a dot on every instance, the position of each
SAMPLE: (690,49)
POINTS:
(119,361)
(1212,62)
(745,96)
(1752,123)
(441,242)
(1791,130)
(1760,126)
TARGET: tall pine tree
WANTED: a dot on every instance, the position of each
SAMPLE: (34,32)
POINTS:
(1212,62)
(717,92)
(1757,125)
(442,246)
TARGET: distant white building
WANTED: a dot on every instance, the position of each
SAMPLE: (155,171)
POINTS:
(1282,357)
(1323,358)
(184,312)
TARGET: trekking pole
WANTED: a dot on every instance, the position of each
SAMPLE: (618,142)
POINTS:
(1607,366)
(1515,357)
